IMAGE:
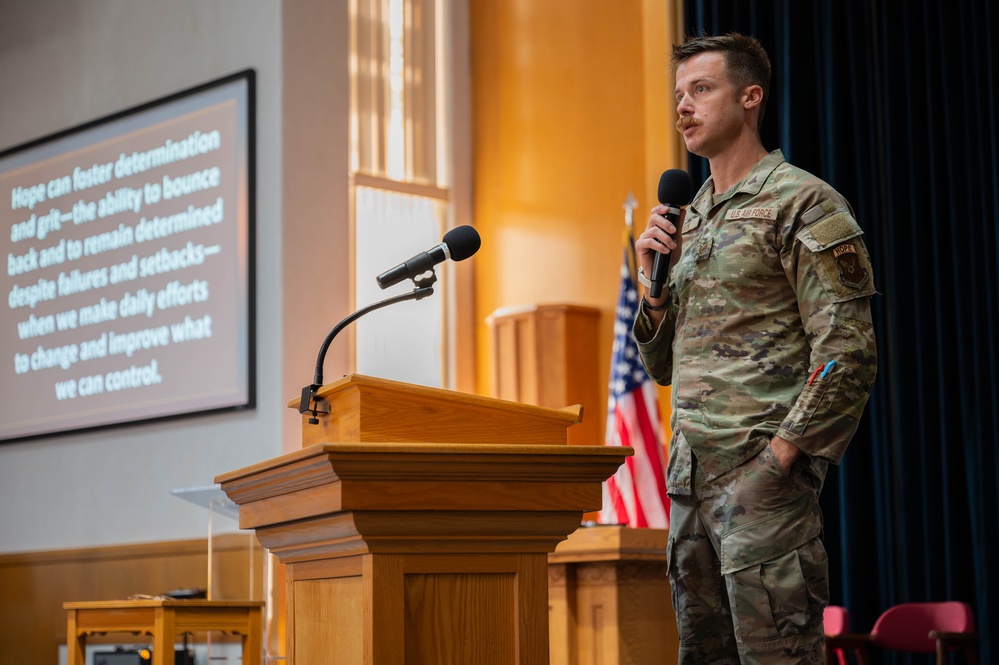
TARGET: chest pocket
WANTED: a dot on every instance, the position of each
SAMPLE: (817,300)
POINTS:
(730,255)
(745,252)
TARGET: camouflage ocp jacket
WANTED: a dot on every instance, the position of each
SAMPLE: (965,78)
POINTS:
(768,329)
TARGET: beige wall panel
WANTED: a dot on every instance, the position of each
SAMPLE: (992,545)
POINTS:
(569,104)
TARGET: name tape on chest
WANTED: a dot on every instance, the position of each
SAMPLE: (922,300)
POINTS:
(752,213)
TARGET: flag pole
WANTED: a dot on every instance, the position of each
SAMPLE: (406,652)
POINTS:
(636,494)
(628,241)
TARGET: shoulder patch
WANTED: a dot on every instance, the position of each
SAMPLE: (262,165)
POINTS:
(853,268)
(845,269)
(835,243)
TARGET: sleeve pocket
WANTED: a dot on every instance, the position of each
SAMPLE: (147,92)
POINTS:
(841,259)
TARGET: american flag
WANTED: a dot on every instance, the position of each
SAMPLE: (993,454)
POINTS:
(636,494)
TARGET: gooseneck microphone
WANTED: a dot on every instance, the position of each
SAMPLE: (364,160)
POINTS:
(459,244)
(674,193)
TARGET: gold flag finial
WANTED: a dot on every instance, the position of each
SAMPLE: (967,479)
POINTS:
(629,206)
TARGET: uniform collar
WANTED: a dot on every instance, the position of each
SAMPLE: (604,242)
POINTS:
(751,184)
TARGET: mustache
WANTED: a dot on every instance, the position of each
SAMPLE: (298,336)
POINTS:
(686,121)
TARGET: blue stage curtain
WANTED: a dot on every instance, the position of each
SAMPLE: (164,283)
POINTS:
(896,105)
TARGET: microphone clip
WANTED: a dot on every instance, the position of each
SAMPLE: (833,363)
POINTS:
(310,403)
(426,279)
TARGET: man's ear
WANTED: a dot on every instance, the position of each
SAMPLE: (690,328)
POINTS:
(752,97)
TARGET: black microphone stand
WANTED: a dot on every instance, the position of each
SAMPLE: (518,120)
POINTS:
(309,402)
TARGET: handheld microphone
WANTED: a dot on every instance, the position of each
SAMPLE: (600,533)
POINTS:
(674,193)
(459,244)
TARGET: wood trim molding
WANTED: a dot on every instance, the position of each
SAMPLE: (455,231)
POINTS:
(226,542)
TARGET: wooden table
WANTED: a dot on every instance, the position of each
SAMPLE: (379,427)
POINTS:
(164,619)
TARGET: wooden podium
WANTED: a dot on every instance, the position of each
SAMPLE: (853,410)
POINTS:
(416,523)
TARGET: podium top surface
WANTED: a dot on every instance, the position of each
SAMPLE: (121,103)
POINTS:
(361,408)
(371,384)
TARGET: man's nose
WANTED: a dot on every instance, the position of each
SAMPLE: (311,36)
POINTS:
(684,106)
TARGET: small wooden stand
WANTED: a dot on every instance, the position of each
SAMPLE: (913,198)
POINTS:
(610,598)
(164,620)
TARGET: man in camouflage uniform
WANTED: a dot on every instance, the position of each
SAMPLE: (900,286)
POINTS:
(765,334)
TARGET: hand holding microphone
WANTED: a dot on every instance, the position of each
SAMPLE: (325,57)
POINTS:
(658,240)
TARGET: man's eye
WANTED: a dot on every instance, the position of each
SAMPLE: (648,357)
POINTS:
(701,88)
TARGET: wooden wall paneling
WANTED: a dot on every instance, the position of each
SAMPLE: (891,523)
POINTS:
(34,585)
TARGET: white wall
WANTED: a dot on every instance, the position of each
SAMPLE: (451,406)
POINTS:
(64,62)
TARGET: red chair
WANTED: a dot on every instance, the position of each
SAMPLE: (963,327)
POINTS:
(835,621)
(916,628)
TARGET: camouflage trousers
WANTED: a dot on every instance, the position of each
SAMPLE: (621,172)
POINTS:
(747,566)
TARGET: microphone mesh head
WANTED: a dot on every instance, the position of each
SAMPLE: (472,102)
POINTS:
(675,188)
(462,242)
